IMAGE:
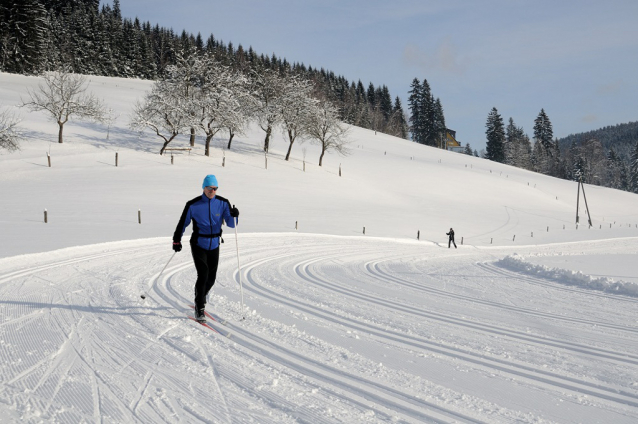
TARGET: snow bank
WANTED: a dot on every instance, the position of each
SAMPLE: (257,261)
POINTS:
(571,278)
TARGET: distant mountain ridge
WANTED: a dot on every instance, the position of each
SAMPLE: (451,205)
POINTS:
(622,137)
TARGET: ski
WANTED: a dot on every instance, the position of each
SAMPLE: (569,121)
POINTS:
(214,325)
(205,324)
(205,313)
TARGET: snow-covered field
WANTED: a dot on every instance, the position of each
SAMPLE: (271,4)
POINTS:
(529,320)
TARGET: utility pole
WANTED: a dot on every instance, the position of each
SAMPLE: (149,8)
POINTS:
(581,186)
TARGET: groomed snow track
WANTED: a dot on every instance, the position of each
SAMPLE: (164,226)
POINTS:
(337,330)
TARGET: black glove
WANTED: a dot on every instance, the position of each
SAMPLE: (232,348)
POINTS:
(177,247)
(234,212)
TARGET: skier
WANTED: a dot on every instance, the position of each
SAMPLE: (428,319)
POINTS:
(207,213)
(451,240)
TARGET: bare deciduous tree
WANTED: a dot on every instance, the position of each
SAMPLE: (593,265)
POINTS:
(63,96)
(219,102)
(295,109)
(267,88)
(10,134)
(163,111)
(326,129)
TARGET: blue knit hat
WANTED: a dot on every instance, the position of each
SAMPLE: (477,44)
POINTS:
(210,181)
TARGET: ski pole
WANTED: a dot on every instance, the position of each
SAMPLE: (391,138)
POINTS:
(143,296)
(241,288)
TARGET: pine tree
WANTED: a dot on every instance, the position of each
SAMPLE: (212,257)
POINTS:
(495,132)
(427,114)
(23,37)
(385,103)
(414,103)
(468,150)
(438,125)
(547,161)
(398,116)
(371,96)
(426,118)
(543,131)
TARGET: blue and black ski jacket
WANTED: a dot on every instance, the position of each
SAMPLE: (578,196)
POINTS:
(207,216)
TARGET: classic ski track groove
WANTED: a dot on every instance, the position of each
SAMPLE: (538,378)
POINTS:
(403,404)
(383,276)
(519,370)
(449,319)
(218,326)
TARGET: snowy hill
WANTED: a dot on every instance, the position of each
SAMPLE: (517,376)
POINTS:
(530,320)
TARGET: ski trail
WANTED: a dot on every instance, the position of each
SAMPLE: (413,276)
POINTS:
(322,314)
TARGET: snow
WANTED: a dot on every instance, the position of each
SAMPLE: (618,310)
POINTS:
(530,320)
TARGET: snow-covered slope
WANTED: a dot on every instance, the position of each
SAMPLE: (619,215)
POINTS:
(339,326)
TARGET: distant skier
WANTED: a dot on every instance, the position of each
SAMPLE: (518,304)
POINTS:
(451,240)
(207,213)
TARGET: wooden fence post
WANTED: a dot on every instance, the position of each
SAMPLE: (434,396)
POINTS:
(418,234)
(139,216)
(364,231)
(116,161)
(46,219)
(49,159)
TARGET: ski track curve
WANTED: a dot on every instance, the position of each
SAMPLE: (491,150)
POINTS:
(479,359)
(79,345)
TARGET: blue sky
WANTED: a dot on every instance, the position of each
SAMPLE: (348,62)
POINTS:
(576,59)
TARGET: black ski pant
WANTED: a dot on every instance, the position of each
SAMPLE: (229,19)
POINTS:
(449,243)
(206,262)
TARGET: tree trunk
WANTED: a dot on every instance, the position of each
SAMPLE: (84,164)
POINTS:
(267,140)
(323,151)
(166,143)
(207,149)
(192,137)
(60,132)
(289,149)
(291,137)
(230,140)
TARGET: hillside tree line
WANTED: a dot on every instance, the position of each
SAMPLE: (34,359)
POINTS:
(80,36)
(607,157)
